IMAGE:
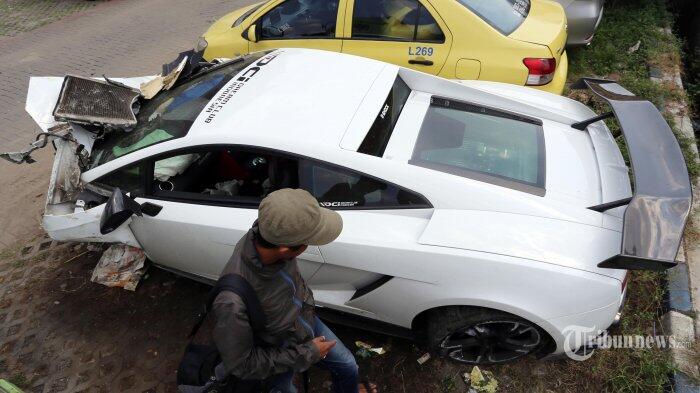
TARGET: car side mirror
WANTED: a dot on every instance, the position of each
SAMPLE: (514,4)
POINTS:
(250,34)
(120,207)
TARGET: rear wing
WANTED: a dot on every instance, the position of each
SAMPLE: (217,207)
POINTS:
(656,214)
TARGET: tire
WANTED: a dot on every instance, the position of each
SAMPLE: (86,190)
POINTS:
(474,335)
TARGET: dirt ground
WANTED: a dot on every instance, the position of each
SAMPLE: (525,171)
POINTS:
(60,332)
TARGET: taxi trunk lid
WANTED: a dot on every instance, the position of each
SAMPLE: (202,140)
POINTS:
(544,25)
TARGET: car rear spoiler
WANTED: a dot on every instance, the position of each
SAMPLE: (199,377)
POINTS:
(656,214)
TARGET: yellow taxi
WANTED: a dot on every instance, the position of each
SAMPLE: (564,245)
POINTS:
(513,41)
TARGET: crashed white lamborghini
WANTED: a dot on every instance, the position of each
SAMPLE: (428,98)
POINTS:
(485,218)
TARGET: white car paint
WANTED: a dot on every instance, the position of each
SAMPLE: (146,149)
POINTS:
(479,245)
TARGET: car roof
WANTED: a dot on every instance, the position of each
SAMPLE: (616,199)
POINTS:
(309,95)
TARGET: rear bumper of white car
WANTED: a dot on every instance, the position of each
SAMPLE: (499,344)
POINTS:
(571,333)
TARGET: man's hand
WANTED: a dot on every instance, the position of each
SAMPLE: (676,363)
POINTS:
(323,346)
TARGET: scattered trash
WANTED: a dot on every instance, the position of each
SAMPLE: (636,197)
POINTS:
(56,302)
(480,381)
(421,360)
(365,350)
(327,385)
(90,101)
(7,387)
(120,266)
(634,47)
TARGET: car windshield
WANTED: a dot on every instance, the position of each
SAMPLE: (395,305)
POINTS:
(504,15)
(169,115)
(482,144)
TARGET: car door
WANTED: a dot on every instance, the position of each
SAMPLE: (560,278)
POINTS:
(381,222)
(209,198)
(408,33)
(314,24)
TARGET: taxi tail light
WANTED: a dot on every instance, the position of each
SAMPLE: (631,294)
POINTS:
(541,71)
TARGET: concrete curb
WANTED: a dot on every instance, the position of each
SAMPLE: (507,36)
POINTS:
(682,320)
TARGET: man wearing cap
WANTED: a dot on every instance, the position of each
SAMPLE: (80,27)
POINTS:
(288,221)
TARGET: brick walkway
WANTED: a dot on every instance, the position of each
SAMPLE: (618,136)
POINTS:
(117,38)
(59,332)
(17,16)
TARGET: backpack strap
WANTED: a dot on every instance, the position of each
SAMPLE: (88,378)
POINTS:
(240,286)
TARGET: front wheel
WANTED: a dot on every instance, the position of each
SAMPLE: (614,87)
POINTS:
(482,336)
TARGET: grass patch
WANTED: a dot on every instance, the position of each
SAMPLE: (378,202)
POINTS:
(19,380)
(625,23)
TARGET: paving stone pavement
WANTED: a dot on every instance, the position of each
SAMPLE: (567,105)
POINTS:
(117,38)
(62,333)
(17,16)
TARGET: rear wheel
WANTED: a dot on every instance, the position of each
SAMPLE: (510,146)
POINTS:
(482,336)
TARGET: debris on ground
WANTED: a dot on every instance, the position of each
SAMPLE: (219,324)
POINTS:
(120,266)
(366,351)
(480,381)
(421,360)
(634,47)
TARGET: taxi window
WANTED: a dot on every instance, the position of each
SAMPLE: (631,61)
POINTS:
(483,144)
(394,20)
(300,19)
(504,15)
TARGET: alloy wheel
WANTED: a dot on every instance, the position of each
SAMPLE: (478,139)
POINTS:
(491,342)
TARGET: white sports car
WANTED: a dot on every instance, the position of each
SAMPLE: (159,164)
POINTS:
(485,218)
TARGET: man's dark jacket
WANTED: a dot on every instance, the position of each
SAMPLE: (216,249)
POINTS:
(288,306)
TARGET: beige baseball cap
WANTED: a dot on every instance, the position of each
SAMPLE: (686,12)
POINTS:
(292,217)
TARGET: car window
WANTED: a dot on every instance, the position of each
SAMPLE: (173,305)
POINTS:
(168,115)
(222,174)
(397,20)
(504,15)
(300,19)
(482,144)
(378,135)
(341,188)
(128,179)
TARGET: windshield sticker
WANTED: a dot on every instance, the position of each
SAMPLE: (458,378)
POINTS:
(521,7)
(218,103)
(339,204)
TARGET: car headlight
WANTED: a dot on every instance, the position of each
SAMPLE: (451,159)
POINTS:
(201,45)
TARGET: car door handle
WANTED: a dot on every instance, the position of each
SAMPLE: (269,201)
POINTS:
(421,62)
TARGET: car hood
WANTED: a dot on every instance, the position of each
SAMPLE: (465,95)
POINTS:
(544,25)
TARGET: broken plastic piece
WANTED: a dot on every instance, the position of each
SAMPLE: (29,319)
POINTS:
(162,82)
(42,139)
(89,101)
(120,266)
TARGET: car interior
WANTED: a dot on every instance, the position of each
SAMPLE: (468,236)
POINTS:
(224,173)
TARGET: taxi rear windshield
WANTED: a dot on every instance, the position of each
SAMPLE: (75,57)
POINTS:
(503,15)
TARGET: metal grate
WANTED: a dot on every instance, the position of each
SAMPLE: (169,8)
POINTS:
(90,101)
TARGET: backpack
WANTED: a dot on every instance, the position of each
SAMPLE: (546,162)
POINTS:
(201,369)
